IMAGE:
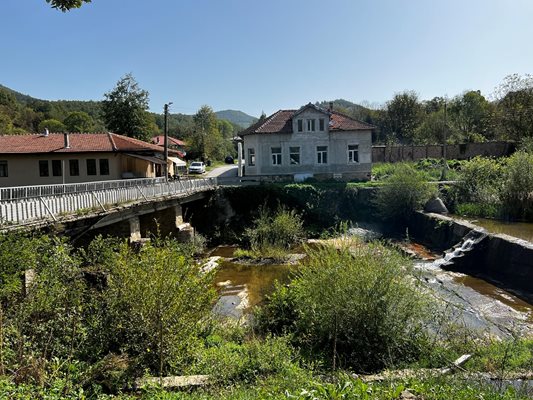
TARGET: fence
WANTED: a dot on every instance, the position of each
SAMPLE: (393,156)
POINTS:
(23,204)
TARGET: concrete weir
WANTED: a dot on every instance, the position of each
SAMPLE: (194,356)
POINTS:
(504,260)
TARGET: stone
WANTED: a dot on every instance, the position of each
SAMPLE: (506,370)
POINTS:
(435,206)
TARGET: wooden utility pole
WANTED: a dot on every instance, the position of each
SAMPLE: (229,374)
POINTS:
(166,139)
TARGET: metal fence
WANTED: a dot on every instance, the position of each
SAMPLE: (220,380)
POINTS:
(19,205)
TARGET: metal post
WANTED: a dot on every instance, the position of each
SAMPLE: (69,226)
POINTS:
(166,141)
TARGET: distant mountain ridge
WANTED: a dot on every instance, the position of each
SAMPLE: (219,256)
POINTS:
(237,117)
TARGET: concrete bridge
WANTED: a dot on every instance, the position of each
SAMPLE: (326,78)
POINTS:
(76,209)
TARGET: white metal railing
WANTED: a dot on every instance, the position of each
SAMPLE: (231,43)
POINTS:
(19,205)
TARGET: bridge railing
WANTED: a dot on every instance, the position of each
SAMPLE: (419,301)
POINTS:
(19,205)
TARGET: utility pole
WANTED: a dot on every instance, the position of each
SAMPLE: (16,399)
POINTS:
(166,139)
(444,149)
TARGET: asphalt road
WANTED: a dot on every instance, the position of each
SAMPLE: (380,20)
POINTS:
(226,171)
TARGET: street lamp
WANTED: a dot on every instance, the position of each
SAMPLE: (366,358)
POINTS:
(165,108)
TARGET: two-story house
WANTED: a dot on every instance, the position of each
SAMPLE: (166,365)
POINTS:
(309,142)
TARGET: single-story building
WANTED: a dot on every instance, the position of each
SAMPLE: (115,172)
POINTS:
(55,158)
(309,142)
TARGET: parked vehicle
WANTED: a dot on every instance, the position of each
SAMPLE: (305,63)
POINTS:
(229,160)
(197,167)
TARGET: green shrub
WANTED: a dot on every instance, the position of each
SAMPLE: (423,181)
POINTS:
(517,192)
(480,181)
(405,191)
(478,210)
(354,306)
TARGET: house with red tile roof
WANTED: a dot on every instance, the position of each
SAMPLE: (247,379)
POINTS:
(309,142)
(54,158)
(173,143)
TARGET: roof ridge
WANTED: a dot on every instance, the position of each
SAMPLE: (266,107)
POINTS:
(112,140)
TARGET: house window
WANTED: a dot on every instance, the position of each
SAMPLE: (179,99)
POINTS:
(310,125)
(321,124)
(56,168)
(322,154)
(276,155)
(300,125)
(353,153)
(43,168)
(104,166)
(294,155)
(251,157)
(74,167)
(3,169)
(91,166)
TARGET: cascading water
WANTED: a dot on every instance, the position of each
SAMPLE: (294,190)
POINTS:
(466,245)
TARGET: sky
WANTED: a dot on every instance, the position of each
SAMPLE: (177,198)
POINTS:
(264,55)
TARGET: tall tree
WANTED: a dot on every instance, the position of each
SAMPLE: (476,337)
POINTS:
(53,125)
(79,121)
(125,109)
(471,114)
(403,115)
(515,106)
(66,5)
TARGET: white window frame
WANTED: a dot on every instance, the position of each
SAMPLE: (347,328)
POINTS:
(311,125)
(293,152)
(353,152)
(251,157)
(322,151)
(275,157)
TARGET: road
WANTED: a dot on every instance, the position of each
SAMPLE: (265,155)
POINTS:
(226,171)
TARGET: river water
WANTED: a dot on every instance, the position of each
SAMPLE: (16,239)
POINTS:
(470,302)
(521,230)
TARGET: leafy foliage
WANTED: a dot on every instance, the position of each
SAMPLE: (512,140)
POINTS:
(66,5)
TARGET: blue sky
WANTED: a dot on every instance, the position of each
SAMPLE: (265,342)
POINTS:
(256,55)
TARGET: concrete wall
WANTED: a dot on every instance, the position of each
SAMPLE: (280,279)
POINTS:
(504,260)
(23,169)
(336,142)
(454,151)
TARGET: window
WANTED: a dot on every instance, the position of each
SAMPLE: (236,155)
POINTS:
(43,168)
(251,157)
(91,166)
(74,167)
(300,125)
(310,125)
(294,155)
(56,168)
(276,155)
(3,169)
(322,154)
(353,153)
(321,124)
(104,166)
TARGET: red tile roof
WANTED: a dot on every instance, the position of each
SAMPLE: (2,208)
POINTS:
(79,143)
(281,122)
(160,140)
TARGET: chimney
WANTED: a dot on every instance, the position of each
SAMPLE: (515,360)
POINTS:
(46,132)
(67,140)
(330,106)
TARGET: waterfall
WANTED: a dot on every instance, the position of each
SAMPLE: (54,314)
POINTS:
(466,245)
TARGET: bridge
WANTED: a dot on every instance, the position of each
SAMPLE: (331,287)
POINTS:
(88,206)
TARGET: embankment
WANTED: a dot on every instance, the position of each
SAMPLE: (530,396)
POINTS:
(504,260)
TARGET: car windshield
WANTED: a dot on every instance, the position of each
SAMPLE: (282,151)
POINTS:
(196,164)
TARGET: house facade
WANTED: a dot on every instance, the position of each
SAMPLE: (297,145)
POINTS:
(77,157)
(309,142)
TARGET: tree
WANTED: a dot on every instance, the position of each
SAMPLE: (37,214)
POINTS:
(471,115)
(403,115)
(207,142)
(79,121)
(515,106)
(124,109)
(53,125)
(66,5)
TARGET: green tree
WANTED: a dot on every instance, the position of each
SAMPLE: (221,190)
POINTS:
(79,121)
(471,114)
(403,115)
(53,125)
(207,142)
(66,5)
(124,109)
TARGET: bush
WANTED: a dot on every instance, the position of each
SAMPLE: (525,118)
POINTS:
(517,191)
(354,306)
(274,233)
(405,191)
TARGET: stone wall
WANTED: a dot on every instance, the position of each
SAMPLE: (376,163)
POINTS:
(504,260)
(454,151)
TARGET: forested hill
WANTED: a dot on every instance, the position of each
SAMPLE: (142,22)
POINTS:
(237,117)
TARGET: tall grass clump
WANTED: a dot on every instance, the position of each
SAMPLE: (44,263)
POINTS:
(273,233)
(355,306)
(404,191)
(517,190)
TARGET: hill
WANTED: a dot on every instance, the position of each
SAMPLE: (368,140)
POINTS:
(237,117)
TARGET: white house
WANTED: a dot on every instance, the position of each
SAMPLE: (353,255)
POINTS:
(309,142)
